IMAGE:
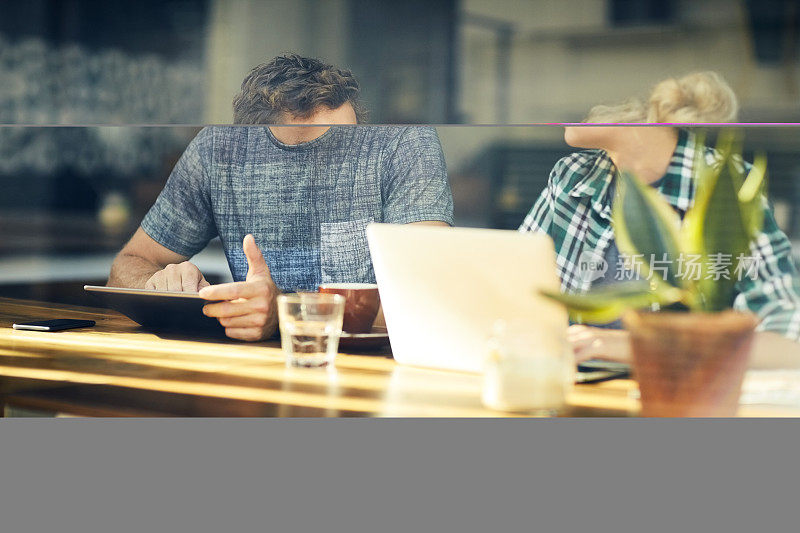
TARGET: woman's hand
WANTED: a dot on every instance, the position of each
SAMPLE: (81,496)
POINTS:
(598,343)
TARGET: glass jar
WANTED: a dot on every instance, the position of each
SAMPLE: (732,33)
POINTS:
(527,371)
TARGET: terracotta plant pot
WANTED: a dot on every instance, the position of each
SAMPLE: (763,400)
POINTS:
(690,364)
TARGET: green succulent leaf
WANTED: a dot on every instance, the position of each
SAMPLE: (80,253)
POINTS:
(646,227)
(610,303)
(692,233)
(719,228)
(751,196)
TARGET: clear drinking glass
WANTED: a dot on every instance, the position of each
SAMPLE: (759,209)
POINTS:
(310,324)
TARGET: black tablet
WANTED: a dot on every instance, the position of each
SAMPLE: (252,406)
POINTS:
(159,310)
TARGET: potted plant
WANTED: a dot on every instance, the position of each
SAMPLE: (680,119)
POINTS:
(690,348)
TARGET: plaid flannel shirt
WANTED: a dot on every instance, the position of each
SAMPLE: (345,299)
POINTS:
(575,211)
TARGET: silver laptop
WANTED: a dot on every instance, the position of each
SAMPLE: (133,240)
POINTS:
(443,289)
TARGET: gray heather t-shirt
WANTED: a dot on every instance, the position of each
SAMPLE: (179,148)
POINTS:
(307,205)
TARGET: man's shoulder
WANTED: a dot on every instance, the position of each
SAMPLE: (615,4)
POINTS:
(393,144)
(388,135)
(225,138)
(228,145)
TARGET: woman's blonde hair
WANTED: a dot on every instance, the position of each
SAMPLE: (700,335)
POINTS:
(696,97)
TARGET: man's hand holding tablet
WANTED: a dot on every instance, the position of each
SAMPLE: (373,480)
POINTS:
(180,277)
(246,309)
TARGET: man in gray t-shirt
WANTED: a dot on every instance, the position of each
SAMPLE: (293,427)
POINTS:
(302,195)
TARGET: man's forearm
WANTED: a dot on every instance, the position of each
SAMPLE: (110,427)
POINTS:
(131,271)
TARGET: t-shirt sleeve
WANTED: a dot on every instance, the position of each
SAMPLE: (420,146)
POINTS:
(181,218)
(415,186)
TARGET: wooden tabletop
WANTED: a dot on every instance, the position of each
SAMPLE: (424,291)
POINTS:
(117,369)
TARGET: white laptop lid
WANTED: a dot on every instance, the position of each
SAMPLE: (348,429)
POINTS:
(442,290)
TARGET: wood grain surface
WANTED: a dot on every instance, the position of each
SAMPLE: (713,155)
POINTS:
(117,369)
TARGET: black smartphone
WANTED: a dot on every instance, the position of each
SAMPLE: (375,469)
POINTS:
(586,378)
(596,371)
(596,365)
(55,325)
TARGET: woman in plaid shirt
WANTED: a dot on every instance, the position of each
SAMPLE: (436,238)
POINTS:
(575,210)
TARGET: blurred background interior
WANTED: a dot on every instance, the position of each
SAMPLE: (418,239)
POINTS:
(72,195)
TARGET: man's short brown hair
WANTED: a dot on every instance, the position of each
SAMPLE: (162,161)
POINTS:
(294,85)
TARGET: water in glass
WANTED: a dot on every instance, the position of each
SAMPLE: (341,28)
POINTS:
(310,343)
